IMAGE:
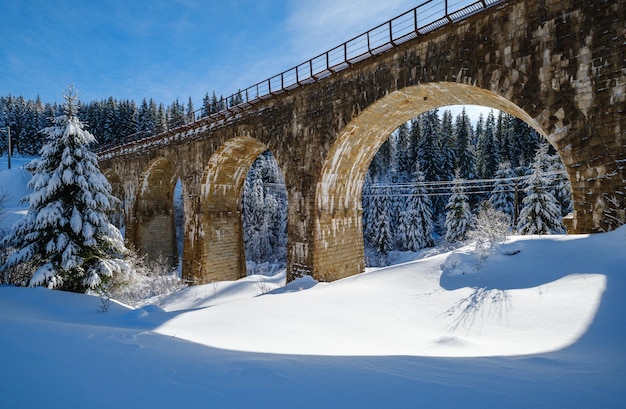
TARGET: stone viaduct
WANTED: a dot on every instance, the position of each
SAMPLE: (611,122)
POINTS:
(559,65)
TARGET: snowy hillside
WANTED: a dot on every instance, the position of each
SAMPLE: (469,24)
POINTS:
(13,184)
(538,325)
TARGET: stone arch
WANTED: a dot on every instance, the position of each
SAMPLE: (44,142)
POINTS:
(153,225)
(338,237)
(219,244)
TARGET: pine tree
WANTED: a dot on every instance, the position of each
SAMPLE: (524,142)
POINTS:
(66,234)
(379,225)
(214,105)
(146,121)
(128,119)
(523,141)
(447,148)
(502,196)
(462,137)
(190,113)
(428,153)
(458,214)
(561,188)
(253,217)
(206,105)
(422,220)
(161,120)
(488,153)
(403,149)
(541,213)
(506,142)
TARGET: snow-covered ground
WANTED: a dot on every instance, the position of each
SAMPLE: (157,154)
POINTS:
(13,188)
(541,324)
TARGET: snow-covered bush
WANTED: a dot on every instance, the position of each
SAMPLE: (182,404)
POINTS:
(18,275)
(143,279)
(265,269)
(489,230)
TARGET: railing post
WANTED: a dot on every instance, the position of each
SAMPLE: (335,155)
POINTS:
(345,52)
(369,48)
(391,33)
(447,15)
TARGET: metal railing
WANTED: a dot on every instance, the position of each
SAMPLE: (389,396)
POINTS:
(423,19)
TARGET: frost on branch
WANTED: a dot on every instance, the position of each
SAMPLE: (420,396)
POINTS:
(489,230)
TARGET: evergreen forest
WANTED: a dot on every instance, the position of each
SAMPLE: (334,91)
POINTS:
(110,120)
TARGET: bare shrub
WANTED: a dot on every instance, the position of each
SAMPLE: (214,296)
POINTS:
(105,299)
(263,285)
(489,230)
(143,279)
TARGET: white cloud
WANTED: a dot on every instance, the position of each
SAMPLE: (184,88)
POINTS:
(317,26)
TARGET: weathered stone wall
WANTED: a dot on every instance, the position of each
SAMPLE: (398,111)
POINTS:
(558,65)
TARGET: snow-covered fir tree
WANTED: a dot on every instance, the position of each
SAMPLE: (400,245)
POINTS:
(380,226)
(561,187)
(502,197)
(403,151)
(66,235)
(378,229)
(422,218)
(427,137)
(463,148)
(458,214)
(487,151)
(415,226)
(541,212)
(447,148)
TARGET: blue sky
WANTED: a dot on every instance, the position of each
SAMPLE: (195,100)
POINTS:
(168,49)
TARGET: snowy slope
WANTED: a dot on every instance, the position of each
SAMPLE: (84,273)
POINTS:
(539,325)
(404,310)
(13,183)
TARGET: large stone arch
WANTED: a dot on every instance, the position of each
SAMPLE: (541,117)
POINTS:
(338,236)
(219,243)
(153,228)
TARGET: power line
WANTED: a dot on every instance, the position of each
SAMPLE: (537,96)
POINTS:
(444,188)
